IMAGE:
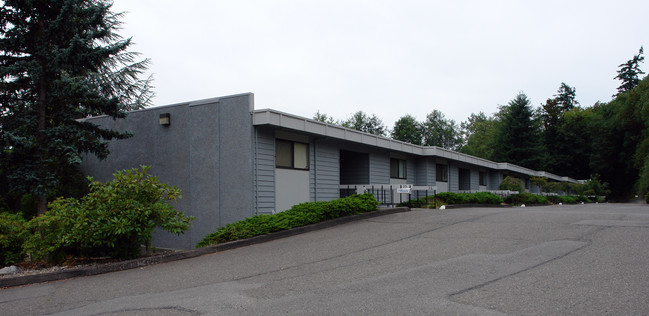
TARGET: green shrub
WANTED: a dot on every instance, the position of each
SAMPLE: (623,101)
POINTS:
(646,197)
(445,198)
(114,219)
(13,232)
(528,198)
(511,184)
(488,198)
(298,215)
(583,199)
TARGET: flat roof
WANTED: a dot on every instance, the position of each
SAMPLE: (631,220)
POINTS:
(293,122)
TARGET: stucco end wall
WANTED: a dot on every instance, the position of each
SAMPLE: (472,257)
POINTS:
(206,152)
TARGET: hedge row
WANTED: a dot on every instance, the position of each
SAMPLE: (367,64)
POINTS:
(528,198)
(299,215)
(446,198)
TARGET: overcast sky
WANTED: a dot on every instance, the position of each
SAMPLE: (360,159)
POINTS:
(388,58)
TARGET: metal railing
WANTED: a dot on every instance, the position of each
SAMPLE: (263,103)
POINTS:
(391,195)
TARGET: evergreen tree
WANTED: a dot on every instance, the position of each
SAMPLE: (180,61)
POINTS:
(441,132)
(407,129)
(518,139)
(60,60)
(566,97)
(629,73)
(552,113)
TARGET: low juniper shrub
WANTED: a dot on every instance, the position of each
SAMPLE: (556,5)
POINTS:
(298,215)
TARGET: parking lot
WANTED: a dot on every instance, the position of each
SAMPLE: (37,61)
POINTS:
(552,260)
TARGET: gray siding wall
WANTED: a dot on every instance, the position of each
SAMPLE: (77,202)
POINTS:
(265,171)
(206,152)
(411,170)
(326,171)
(453,178)
(475,179)
(493,180)
(422,171)
(380,167)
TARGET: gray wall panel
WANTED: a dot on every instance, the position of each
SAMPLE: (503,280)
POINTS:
(265,171)
(327,171)
(379,167)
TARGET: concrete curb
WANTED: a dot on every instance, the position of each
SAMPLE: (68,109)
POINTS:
(142,262)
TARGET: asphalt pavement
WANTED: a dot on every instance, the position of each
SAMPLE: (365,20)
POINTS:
(552,260)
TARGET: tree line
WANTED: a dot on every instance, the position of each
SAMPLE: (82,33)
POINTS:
(607,141)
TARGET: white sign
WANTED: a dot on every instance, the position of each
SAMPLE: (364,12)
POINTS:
(403,190)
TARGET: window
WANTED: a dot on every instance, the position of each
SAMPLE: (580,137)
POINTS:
(483,178)
(397,168)
(441,173)
(293,155)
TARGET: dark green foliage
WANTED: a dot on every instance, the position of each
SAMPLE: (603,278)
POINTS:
(13,233)
(565,199)
(469,198)
(518,138)
(408,130)
(527,199)
(560,145)
(114,219)
(511,184)
(365,123)
(629,73)
(573,148)
(479,132)
(569,199)
(619,131)
(439,131)
(299,215)
(446,198)
(324,118)
(566,97)
(60,61)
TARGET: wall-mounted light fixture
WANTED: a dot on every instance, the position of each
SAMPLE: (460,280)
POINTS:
(165,119)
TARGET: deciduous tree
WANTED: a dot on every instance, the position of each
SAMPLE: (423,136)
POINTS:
(407,129)
(441,132)
(366,123)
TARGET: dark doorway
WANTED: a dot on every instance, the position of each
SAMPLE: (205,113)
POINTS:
(464,176)
(354,167)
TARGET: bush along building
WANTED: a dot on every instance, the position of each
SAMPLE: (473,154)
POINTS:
(232,162)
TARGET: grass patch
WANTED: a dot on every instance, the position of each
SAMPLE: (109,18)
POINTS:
(299,215)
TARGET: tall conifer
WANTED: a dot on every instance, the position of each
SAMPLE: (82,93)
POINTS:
(60,60)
